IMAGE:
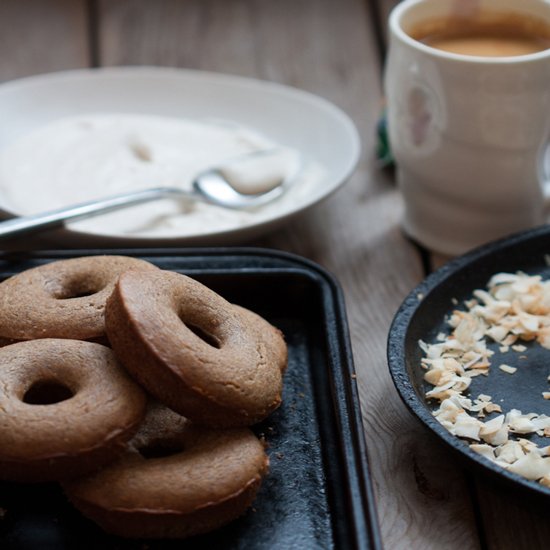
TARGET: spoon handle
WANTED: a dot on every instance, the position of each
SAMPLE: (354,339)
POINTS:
(26,225)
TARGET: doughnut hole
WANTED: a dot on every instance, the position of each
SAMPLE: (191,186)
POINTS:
(200,331)
(47,392)
(77,285)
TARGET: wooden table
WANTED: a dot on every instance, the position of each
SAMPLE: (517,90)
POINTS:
(333,48)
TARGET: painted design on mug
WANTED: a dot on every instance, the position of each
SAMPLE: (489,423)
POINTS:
(419,115)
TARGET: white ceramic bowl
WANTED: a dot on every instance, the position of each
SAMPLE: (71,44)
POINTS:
(319,130)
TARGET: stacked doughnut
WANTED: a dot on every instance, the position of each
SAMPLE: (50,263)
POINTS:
(134,387)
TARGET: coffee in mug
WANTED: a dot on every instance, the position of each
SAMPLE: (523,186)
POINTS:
(485,34)
(469,117)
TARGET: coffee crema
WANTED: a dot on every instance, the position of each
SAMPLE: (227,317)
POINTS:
(485,35)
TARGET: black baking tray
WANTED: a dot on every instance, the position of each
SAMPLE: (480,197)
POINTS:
(318,493)
(423,315)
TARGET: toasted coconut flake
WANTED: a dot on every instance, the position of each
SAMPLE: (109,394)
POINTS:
(531,466)
(466,426)
(510,340)
(541,422)
(484,450)
(543,337)
(507,369)
(492,426)
(477,372)
(520,424)
(519,347)
(509,452)
(497,333)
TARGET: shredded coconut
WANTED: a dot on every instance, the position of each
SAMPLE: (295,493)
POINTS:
(514,307)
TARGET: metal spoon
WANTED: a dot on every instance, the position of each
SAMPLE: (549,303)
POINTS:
(209,186)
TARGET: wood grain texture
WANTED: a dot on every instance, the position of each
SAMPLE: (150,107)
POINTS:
(511,521)
(326,47)
(38,36)
(439,260)
(380,10)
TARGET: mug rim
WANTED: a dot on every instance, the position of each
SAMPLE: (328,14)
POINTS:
(397,31)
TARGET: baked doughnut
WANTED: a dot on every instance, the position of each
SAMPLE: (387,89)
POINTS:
(216,364)
(67,407)
(62,299)
(176,480)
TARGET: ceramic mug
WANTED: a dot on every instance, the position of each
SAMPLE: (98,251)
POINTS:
(469,133)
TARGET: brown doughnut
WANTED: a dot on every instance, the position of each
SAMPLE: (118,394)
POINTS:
(176,480)
(67,407)
(62,299)
(195,352)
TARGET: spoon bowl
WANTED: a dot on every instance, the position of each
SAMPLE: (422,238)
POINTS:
(210,186)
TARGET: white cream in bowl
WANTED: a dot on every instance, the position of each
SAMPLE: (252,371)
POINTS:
(81,158)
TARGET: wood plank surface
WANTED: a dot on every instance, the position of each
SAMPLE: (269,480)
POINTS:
(325,47)
(511,520)
(39,36)
(380,10)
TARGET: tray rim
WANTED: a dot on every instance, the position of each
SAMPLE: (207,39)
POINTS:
(347,415)
(397,363)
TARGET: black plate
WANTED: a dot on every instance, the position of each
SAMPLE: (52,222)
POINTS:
(422,316)
(318,493)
